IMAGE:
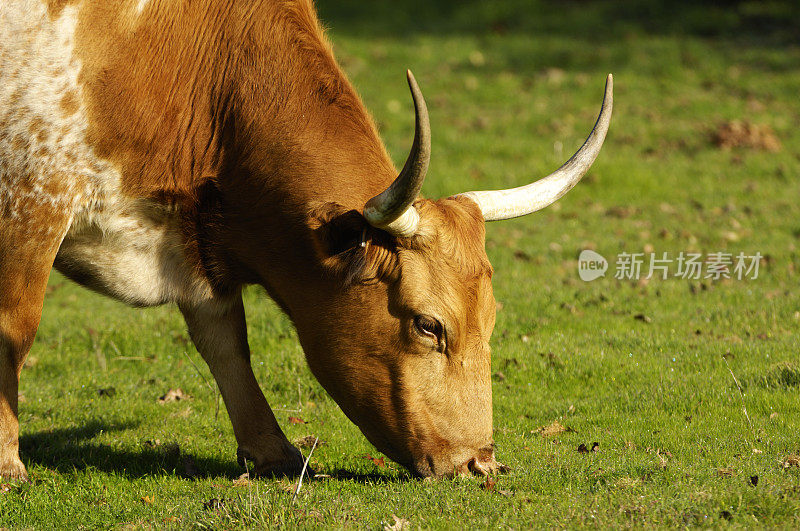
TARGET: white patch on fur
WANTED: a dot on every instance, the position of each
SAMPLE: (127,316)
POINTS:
(128,248)
(43,160)
(132,250)
(140,5)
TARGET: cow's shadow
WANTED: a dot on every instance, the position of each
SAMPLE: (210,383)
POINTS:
(65,450)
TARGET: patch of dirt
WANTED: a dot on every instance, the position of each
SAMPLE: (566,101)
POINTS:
(621,212)
(308,442)
(242,481)
(553,429)
(725,472)
(173,395)
(744,134)
(790,461)
(399,524)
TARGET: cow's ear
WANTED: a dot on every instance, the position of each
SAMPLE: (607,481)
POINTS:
(348,246)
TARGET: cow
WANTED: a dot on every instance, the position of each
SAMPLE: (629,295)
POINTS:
(176,151)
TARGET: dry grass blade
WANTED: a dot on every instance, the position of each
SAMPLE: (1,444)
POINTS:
(303,472)
(741,393)
(214,389)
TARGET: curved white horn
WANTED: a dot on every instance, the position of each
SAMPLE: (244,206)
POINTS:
(514,202)
(392,209)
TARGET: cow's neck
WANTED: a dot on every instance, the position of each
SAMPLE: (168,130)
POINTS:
(298,121)
(296,135)
(239,114)
(271,195)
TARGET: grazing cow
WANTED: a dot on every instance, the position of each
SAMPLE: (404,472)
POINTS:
(174,151)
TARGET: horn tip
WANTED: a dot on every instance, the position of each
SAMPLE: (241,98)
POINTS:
(410,77)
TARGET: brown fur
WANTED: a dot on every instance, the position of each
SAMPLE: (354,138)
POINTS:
(234,115)
(169,94)
(69,104)
(55,7)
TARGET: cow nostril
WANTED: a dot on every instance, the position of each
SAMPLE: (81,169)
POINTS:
(475,466)
(431,465)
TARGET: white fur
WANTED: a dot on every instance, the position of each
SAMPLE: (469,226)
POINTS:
(36,72)
(140,5)
(127,248)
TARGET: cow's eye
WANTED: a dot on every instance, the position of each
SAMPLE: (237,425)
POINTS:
(429,327)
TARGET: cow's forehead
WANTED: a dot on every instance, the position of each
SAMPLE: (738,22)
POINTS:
(452,230)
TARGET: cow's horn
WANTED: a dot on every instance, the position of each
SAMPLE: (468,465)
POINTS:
(507,204)
(392,210)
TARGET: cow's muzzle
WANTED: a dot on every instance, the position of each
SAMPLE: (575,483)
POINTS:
(482,464)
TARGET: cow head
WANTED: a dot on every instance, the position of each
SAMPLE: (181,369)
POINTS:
(402,342)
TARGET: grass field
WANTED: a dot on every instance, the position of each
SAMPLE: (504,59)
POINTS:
(703,156)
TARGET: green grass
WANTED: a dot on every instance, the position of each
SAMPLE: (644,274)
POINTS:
(505,81)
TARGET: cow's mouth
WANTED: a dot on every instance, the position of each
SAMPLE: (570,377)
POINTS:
(483,464)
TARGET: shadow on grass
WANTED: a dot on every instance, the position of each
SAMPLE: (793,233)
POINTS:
(744,21)
(66,449)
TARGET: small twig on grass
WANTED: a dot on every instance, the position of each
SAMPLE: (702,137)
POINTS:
(114,346)
(287,409)
(98,352)
(303,472)
(741,393)
(299,396)
(249,491)
(214,390)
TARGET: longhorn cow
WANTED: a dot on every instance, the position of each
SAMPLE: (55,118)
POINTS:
(167,151)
